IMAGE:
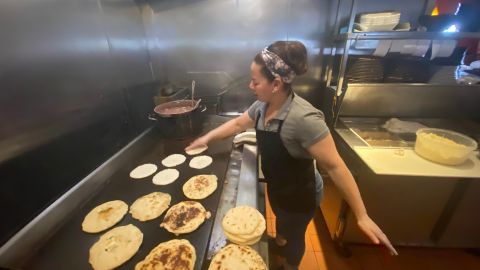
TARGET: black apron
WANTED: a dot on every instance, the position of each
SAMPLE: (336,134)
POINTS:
(291,181)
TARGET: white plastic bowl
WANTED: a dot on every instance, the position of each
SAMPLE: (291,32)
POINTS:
(443,146)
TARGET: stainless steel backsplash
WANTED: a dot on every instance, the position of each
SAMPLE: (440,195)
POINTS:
(63,63)
(75,76)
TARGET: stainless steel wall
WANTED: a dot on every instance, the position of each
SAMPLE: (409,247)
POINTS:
(67,71)
(72,72)
(62,63)
(214,41)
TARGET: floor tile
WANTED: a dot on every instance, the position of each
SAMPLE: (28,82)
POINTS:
(311,228)
(320,253)
(443,259)
(308,243)
(367,256)
(274,227)
(269,225)
(333,261)
(268,209)
(321,262)
(411,259)
(309,262)
(322,242)
(470,261)
(314,239)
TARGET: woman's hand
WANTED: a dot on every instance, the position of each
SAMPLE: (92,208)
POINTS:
(225,130)
(199,142)
(375,234)
(327,157)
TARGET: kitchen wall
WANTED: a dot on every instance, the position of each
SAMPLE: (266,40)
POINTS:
(67,71)
(75,77)
(214,42)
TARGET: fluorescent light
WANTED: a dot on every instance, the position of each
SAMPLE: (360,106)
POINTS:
(451,29)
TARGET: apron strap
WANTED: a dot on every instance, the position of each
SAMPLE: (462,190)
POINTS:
(257,119)
(280,124)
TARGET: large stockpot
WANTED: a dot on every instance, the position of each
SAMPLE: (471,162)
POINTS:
(179,119)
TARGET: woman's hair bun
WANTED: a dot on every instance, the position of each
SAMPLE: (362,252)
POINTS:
(293,53)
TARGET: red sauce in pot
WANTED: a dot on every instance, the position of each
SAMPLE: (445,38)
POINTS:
(176,110)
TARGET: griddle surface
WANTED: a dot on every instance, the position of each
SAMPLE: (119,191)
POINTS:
(69,246)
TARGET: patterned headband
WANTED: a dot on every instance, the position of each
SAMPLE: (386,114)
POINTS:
(277,66)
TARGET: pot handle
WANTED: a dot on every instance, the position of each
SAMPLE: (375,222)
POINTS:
(152,117)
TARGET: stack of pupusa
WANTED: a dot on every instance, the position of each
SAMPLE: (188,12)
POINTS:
(243,225)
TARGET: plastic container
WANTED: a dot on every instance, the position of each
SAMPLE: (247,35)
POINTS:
(443,146)
(386,17)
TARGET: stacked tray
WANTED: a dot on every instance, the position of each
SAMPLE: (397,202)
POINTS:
(365,70)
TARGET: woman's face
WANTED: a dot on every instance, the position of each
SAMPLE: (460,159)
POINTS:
(259,84)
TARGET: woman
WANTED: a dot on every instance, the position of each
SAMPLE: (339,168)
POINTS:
(290,134)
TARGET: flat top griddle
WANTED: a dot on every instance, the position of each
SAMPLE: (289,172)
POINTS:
(69,247)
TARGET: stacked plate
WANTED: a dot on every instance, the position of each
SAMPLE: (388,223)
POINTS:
(365,70)
(377,21)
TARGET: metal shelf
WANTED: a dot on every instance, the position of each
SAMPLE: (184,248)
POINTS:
(405,35)
(410,100)
(344,45)
(413,85)
(387,86)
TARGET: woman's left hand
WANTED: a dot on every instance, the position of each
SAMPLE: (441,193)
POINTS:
(375,234)
(199,142)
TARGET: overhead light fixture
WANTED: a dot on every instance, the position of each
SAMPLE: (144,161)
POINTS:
(452,29)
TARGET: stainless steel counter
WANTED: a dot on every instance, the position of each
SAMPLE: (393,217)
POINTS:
(36,233)
(67,211)
(370,131)
(416,202)
(387,153)
(241,187)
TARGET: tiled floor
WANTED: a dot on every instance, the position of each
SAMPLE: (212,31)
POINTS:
(320,253)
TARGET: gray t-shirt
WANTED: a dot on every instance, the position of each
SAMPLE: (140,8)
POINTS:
(303,124)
